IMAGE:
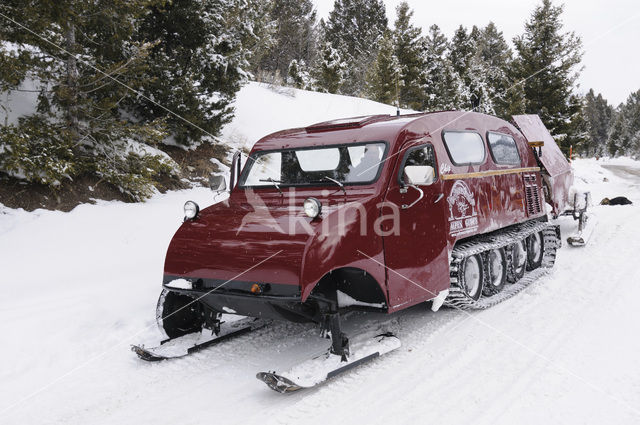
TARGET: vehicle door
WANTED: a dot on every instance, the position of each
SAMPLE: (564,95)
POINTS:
(416,250)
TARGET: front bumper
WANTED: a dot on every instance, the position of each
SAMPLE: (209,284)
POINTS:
(277,301)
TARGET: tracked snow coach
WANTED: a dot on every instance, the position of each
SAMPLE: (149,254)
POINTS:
(372,213)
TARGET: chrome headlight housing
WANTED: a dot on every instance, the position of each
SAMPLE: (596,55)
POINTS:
(191,210)
(312,207)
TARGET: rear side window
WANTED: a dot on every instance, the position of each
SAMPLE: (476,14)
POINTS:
(464,147)
(503,149)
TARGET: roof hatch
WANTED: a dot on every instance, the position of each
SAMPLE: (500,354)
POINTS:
(345,123)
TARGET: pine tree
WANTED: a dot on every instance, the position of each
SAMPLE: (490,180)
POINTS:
(514,101)
(461,52)
(330,70)
(298,75)
(354,28)
(547,62)
(617,141)
(263,29)
(578,124)
(294,36)
(408,48)
(624,135)
(183,56)
(507,98)
(79,126)
(439,81)
(383,78)
(632,113)
(14,65)
(598,114)
(472,73)
(197,64)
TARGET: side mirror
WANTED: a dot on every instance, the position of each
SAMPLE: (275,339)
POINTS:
(419,175)
(217,183)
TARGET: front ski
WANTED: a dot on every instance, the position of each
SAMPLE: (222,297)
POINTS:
(586,221)
(586,229)
(325,366)
(188,344)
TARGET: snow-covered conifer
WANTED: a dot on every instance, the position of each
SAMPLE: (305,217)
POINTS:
(507,98)
(354,28)
(548,65)
(298,75)
(197,64)
(80,125)
(439,82)
(598,114)
(383,78)
(330,70)
(408,49)
(294,36)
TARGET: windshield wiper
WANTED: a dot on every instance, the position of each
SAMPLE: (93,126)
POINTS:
(336,182)
(275,183)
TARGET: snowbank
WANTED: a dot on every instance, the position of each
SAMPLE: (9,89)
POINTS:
(262,109)
(18,103)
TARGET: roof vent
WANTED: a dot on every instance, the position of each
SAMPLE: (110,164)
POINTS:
(345,123)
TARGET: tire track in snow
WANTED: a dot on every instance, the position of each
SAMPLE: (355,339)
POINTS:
(529,365)
(416,328)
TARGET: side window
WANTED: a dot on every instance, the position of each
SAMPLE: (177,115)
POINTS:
(503,149)
(419,166)
(464,147)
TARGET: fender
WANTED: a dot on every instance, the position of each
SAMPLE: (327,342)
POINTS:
(338,238)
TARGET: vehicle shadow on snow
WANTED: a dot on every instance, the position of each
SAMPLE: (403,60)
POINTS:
(281,345)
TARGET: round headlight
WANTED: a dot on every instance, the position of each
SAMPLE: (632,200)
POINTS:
(191,210)
(312,207)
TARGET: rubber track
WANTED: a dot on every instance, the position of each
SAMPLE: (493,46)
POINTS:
(457,298)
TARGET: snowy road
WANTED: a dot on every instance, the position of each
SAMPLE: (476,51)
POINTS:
(79,287)
(626,172)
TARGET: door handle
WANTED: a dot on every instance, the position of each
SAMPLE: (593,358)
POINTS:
(405,206)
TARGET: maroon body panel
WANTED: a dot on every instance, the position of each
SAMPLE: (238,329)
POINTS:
(229,240)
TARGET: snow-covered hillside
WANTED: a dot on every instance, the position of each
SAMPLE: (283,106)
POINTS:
(79,287)
(262,109)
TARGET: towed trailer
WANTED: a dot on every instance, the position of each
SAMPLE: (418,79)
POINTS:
(375,213)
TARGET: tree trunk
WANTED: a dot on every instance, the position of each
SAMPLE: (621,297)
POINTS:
(72,82)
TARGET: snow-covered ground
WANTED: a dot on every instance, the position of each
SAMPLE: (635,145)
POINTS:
(79,287)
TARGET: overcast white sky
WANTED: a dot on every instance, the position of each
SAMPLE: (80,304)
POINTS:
(610,32)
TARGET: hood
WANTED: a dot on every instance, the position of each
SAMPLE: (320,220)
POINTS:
(253,236)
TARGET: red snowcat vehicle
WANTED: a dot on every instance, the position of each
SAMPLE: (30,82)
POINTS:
(373,213)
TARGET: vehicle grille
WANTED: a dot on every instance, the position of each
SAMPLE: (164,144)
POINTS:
(532,194)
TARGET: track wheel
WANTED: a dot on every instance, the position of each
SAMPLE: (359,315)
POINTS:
(496,269)
(535,250)
(178,314)
(471,276)
(516,261)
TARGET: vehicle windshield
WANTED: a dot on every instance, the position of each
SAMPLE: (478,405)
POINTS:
(347,164)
